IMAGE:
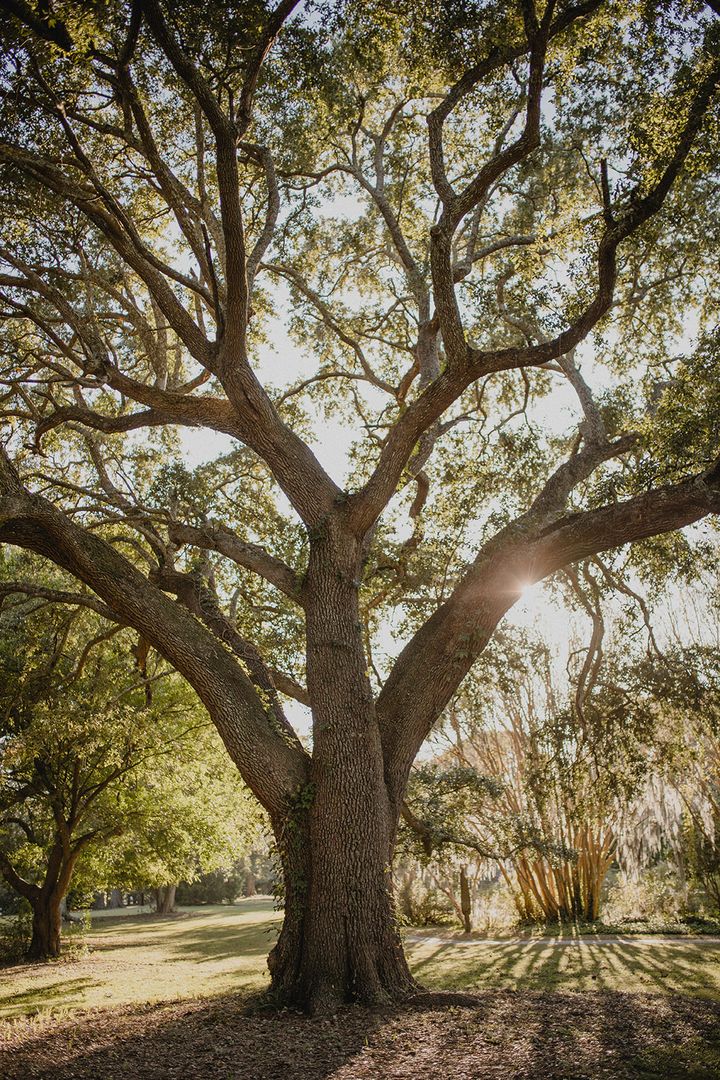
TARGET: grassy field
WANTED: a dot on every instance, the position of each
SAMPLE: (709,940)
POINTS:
(209,951)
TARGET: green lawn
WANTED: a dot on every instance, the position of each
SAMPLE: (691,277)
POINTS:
(213,950)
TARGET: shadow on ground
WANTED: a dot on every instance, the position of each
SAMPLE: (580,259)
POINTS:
(496,1034)
(692,968)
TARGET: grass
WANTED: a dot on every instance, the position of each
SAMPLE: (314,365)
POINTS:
(197,953)
(214,950)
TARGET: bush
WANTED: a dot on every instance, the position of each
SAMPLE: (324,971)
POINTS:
(419,904)
(657,895)
(494,908)
(217,887)
(10,902)
(15,934)
(80,898)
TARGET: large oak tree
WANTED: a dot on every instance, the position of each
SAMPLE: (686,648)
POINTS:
(460,214)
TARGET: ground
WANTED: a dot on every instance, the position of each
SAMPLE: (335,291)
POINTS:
(173,997)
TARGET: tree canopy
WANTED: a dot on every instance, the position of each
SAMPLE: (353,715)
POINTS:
(108,771)
(472,245)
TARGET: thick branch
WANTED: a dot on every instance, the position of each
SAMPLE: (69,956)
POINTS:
(433,664)
(270,766)
(19,884)
(216,537)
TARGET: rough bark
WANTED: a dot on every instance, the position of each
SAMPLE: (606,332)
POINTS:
(165,899)
(341,941)
(47,920)
(328,954)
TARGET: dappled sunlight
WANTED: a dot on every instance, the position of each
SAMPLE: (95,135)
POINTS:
(667,967)
(220,949)
(63,993)
(541,1006)
(198,952)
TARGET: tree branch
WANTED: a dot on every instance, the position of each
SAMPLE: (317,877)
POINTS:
(269,765)
(217,537)
(433,664)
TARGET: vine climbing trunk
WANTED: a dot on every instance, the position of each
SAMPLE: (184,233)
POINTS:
(340,941)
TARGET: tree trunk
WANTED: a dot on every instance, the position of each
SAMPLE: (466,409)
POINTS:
(46,924)
(340,940)
(465,900)
(165,899)
(250,889)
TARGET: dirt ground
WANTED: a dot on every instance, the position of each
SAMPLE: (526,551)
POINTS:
(495,1034)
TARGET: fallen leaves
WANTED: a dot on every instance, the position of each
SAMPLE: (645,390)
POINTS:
(496,1034)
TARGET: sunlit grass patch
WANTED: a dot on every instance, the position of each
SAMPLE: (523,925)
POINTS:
(213,950)
(583,964)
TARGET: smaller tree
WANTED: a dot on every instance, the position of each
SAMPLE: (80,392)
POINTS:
(190,816)
(92,748)
(565,765)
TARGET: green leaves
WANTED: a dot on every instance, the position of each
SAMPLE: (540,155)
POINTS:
(684,431)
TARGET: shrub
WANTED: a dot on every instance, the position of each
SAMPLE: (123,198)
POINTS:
(420,904)
(15,934)
(657,895)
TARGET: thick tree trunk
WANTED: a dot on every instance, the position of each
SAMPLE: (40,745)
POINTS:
(340,940)
(250,889)
(165,899)
(47,920)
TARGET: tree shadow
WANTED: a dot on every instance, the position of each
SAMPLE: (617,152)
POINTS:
(205,943)
(64,992)
(582,964)
(495,1034)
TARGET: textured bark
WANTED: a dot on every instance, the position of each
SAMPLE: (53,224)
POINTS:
(165,899)
(340,942)
(46,924)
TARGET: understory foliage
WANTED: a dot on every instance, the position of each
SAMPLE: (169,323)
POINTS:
(559,782)
(110,773)
(327,328)
(550,783)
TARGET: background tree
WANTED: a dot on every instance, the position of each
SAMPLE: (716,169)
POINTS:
(567,767)
(190,816)
(682,688)
(101,767)
(468,213)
